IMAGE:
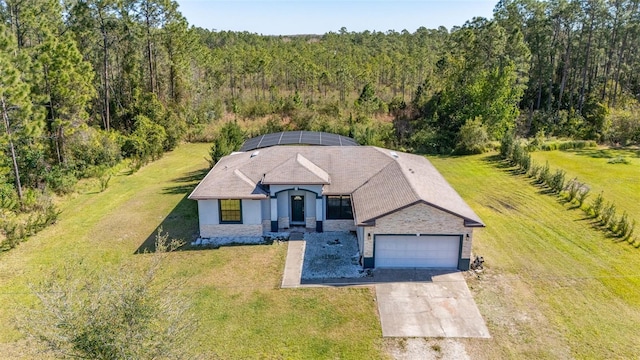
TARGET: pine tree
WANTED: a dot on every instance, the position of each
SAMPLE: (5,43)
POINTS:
(18,118)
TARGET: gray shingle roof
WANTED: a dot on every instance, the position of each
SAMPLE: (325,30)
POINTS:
(296,170)
(380,181)
(408,180)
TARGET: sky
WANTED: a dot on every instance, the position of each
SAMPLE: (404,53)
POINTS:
(290,17)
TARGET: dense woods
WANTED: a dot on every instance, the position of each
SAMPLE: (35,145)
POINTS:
(86,83)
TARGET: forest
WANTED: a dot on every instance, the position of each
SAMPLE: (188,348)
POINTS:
(86,84)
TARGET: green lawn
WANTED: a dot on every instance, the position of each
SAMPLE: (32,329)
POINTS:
(553,286)
(619,183)
(235,290)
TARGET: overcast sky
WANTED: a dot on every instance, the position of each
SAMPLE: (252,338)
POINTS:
(277,17)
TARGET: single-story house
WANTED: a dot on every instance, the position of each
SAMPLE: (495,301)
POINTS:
(403,211)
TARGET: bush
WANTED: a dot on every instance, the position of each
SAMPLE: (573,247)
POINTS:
(60,181)
(597,206)
(472,137)
(583,194)
(89,147)
(8,197)
(618,160)
(568,145)
(630,231)
(429,141)
(537,141)
(229,139)
(624,127)
(146,142)
(17,229)
(608,215)
(534,170)
(622,227)
(126,314)
(556,182)
(506,145)
(544,176)
(572,190)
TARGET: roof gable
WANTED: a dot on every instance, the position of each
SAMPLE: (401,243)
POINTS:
(227,182)
(408,180)
(296,170)
(386,191)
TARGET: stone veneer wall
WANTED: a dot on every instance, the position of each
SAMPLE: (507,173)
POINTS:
(339,225)
(224,230)
(283,222)
(266,225)
(310,222)
(423,219)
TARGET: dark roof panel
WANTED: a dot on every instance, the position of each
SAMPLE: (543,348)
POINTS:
(297,138)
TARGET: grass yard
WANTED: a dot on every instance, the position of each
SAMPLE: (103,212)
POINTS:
(235,290)
(619,183)
(553,286)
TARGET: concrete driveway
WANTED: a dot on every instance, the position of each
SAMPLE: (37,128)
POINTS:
(442,307)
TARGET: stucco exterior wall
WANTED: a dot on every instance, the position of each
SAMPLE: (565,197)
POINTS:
(251,212)
(208,212)
(420,219)
(265,209)
(339,225)
(209,218)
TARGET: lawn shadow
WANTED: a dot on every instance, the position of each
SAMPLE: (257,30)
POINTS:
(182,222)
(497,161)
(185,184)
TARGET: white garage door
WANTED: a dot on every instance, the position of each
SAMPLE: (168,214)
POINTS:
(417,251)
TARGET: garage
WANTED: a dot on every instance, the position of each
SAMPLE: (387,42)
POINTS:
(411,251)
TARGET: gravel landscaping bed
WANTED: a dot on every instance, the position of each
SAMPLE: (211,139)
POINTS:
(331,255)
(267,238)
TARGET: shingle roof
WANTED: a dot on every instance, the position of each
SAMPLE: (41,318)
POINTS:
(380,181)
(226,181)
(408,180)
(296,170)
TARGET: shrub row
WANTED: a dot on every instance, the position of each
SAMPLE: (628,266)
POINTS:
(568,145)
(573,191)
(18,229)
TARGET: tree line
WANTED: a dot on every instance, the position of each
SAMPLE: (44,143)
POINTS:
(86,83)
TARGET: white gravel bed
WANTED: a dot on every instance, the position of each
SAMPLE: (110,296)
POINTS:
(331,255)
(241,240)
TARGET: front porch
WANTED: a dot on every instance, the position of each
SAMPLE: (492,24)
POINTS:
(304,207)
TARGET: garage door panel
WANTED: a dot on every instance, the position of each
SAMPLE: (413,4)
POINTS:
(417,251)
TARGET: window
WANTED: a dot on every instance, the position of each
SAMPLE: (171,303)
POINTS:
(339,207)
(230,211)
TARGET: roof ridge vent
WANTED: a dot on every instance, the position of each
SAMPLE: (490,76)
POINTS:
(394,154)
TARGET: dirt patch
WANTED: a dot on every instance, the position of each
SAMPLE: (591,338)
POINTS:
(426,349)
(505,302)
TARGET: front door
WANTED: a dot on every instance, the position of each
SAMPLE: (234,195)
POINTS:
(297,209)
